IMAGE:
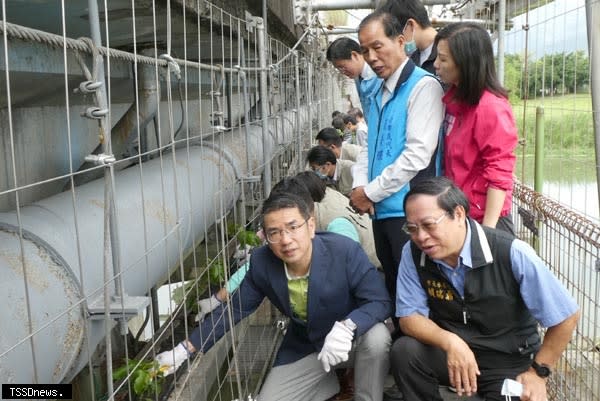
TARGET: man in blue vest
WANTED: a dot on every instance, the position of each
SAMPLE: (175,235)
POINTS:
(344,54)
(404,123)
(469,301)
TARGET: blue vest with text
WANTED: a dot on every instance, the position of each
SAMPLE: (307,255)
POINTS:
(387,138)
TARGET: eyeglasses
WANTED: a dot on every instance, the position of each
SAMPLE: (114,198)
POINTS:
(427,226)
(274,236)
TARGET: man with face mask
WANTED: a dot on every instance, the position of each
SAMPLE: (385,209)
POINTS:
(323,162)
(418,31)
(404,125)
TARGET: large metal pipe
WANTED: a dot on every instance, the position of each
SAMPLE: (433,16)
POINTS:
(55,255)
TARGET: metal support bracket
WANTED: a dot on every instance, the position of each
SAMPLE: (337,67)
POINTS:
(100,159)
(251,178)
(251,21)
(95,113)
(88,87)
(125,307)
(172,65)
(529,220)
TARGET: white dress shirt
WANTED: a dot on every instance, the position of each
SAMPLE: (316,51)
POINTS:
(424,118)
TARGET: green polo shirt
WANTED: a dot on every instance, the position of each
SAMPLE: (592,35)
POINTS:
(298,290)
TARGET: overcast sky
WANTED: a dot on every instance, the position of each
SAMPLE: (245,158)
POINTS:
(557,27)
(554,28)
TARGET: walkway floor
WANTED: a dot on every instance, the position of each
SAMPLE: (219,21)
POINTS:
(392,394)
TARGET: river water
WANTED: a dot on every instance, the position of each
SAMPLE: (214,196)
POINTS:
(570,181)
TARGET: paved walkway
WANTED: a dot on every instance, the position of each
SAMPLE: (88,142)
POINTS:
(392,394)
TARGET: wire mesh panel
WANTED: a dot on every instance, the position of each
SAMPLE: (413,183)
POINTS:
(547,66)
(569,243)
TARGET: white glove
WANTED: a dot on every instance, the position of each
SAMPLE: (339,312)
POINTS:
(205,306)
(170,361)
(337,346)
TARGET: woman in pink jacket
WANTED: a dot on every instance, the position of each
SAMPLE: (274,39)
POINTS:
(481,134)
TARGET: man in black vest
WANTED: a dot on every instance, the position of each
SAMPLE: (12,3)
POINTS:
(469,300)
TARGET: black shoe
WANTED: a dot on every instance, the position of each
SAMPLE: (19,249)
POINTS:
(392,394)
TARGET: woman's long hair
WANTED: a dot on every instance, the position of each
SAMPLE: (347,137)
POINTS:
(471,49)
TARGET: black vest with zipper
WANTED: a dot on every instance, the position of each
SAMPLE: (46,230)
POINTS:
(492,317)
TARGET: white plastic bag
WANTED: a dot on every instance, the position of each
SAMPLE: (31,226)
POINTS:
(511,388)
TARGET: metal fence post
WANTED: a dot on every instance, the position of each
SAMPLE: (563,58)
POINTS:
(538,183)
(309,93)
(264,102)
(538,173)
(501,38)
(298,86)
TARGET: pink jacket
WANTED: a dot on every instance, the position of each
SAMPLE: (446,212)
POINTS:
(479,148)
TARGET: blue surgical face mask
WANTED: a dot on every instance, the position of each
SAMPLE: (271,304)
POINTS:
(320,174)
(410,46)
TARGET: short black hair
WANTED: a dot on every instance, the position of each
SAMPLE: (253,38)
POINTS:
(330,136)
(341,49)
(449,196)
(320,155)
(338,122)
(391,26)
(356,112)
(349,119)
(405,9)
(315,185)
(293,186)
(336,113)
(471,49)
(280,199)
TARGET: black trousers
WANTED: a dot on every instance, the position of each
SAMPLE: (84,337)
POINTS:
(389,240)
(419,369)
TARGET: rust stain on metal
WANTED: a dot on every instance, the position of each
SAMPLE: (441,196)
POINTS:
(35,277)
(182,161)
(98,203)
(71,345)
(159,212)
(212,158)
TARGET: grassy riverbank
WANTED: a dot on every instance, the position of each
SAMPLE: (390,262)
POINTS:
(568,125)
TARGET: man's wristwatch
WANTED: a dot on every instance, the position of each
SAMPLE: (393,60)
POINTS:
(541,369)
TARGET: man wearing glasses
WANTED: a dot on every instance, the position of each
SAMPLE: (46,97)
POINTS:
(469,300)
(335,299)
(345,55)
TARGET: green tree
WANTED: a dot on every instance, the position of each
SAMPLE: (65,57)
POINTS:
(577,67)
(558,74)
(513,71)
